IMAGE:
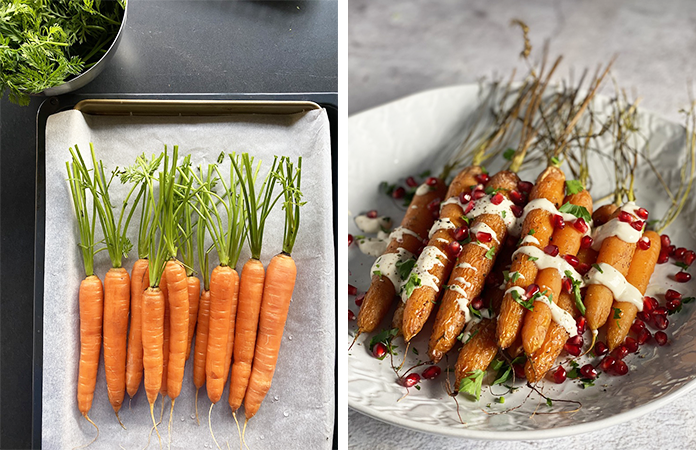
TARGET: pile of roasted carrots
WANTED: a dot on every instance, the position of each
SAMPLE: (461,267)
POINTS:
(151,321)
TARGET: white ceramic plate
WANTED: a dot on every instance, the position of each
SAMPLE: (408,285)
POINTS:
(415,133)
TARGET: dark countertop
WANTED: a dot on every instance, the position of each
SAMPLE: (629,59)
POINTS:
(168,47)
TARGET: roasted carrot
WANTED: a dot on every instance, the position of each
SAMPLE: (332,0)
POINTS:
(473,265)
(639,273)
(550,186)
(478,351)
(418,306)
(415,225)
(277,292)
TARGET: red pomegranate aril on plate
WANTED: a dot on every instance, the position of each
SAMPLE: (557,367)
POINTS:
(665,241)
(644,243)
(566,285)
(431,181)
(558,222)
(482,178)
(531,290)
(559,375)
(670,250)
(350,239)
(431,372)
(352,290)
(469,207)
(661,338)
(671,294)
(607,363)
(359,299)
(679,253)
(372,214)
(477,194)
(620,368)
(576,340)
(689,257)
(682,277)
(661,322)
(411,182)
(581,324)
(497,198)
(631,344)
(660,310)
(663,258)
(411,380)
(516,211)
(625,217)
(351,315)
(637,225)
(398,193)
(580,225)
(645,316)
(477,303)
(525,187)
(454,248)
(643,336)
(573,349)
(588,371)
(517,197)
(638,326)
(642,213)
(601,348)
(673,304)
(484,237)
(551,250)
(583,268)
(650,304)
(434,206)
(619,352)
(572,260)
(519,370)
(586,242)
(461,233)
(464,198)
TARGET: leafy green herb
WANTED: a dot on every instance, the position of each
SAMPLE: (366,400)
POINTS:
(471,336)
(414,350)
(377,272)
(576,210)
(503,213)
(490,190)
(385,337)
(617,313)
(529,304)
(490,253)
(474,312)
(466,219)
(531,232)
(472,384)
(501,399)
(483,169)
(598,268)
(532,258)
(574,187)
(387,188)
(549,403)
(425,173)
(404,267)
(413,282)
(504,370)
(683,266)
(514,277)
(576,291)
(508,154)
(506,275)
(417,387)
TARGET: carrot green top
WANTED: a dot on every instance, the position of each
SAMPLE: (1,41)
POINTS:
(290,179)
(78,189)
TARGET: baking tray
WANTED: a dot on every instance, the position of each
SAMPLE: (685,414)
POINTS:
(156,104)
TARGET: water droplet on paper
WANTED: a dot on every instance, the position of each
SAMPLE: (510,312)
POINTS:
(290,338)
(182,419)
(262,437)
(275,398)
(286,414)
(193,416)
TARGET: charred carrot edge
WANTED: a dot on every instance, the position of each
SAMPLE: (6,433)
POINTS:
(550,184)
(467,280)
(380,295)
(418,307)
(639,273)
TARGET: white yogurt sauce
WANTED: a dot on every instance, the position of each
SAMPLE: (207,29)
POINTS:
(623,291)
(546,205)
(483,227)
(398,234)
(370,225)
(463,281)
(424,189)
(484,206)
(374,246)
(386,265)
(441,224)
(466,265)
(559,315)
(622,230)
(454,200)
(429,258)
(529,239)
(545,261)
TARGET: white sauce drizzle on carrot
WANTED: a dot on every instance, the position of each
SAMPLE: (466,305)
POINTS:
(429,258)
(622,230)
(441,224)
(398,234)
(386,265)
(424,189)
(544,261)
(484,206)
(611,278)
(483,227)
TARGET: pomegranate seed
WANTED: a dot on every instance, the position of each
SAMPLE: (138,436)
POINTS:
(359,299)
(497,199)
(399,193)
(350,239)
(572,260)
(558,222)
(465,197)
(454,248)
(461,233)
(607,363)
(519,370)
(432,181)
(600,349)
(638,225)
(479,193)
(682,277)
(559,375)
(517,198)
(484,237)
(671,294)
(588,371)
(379,351)
(665,240)
(679,253)
(411,380)
(580,225)
(625,217)
(477,303)
(432,372)
(469,207)
(525,187)
(581,324)
(434,206)
(482,178)
(661,338)
(619,352)
(661,322)
(620,368)
(583,268)
(566,285)
(576,340)
(673,304)
(643,336)
(372,214)
(551,250)
(644,243)
(638,326)
(660,310)
(631,344)
(352,290)
(516,211)
(642,213)
(670,250)
(586,242)
(650,304)
(689,257)
(663,258)
(351,315)
(411,182)
(572,349)
(645,316)
(532,289)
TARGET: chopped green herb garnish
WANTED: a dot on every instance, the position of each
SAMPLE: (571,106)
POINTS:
(576,210)
(472,384)
(377,272)
(490,253)
(531,232)
(532,258)
(503,213)
(576,291)
(387,188)
(688,299)
(413,282)
(404,267)
(549,403)
(529,304)
(574,187)
(425,173)
(471,336)
(598,268)
(507,154)
(501,399)
(474,312)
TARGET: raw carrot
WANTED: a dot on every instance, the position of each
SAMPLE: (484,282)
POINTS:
(277,292)
(165,335)
(251,283)
(418,306)
(193,285)
(134,358)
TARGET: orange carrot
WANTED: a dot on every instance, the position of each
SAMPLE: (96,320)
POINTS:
(91,300)
(134,360)
(115,328)
(201,345)
(153,341)
(194,295)
(177,288)
(165,335)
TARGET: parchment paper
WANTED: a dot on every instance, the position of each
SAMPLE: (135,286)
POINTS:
(299,408)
